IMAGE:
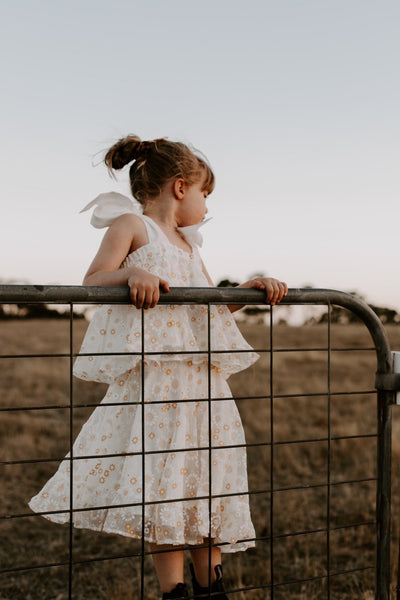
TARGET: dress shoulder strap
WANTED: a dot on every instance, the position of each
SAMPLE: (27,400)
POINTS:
(153,231)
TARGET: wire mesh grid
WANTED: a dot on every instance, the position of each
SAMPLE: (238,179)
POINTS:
(315,519)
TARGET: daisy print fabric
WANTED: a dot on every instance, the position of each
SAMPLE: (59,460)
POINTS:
(168,431)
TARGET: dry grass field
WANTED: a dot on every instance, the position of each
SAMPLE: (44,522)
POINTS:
(108,567)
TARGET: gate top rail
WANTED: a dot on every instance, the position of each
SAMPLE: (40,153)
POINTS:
(70,294)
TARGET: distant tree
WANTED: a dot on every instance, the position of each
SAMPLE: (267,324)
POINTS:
(248,310)
(31,311)
(34,311)
(255,310)
(227,283)
(388,316)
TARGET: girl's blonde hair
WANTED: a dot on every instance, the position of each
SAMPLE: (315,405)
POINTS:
(156,162)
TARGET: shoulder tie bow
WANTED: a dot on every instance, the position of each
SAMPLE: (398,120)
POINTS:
(110,206)
(192,234)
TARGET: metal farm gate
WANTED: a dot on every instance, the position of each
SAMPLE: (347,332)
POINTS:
(20,573)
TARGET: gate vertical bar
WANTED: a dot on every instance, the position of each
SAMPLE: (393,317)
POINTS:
(71,444)
(328,486)
(143,457)
(383,499)
(209,419)
(271,391)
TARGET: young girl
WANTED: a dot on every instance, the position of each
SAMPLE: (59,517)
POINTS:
(162,457)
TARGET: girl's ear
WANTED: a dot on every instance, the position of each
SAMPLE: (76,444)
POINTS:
(179,188)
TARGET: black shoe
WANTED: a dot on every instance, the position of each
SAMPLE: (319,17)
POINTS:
(178,593)
(217,588)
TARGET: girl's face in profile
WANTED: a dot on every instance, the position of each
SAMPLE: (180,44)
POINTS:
(193,205)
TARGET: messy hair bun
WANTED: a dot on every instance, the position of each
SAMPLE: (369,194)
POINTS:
(156,162)
(125,151)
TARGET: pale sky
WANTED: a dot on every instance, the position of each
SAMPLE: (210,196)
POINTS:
(295,103)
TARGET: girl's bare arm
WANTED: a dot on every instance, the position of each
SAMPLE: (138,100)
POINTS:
(124,235)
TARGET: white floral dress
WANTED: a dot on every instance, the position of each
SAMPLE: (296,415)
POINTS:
(192,433)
